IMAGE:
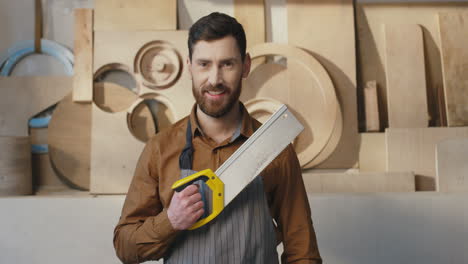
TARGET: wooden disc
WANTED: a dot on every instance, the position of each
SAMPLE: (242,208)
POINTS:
(305,87)
(69,139)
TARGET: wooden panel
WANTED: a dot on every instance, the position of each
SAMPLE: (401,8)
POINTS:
(329,36)
(358,182)
(251,14)
(15,166)
(371,16)
(23,97)
(453,37)
(120,49)
(406,76)
(69,139)
(371,105)
(83,49)
(414,150)
(452,165)
(135,15)
(115,151)
(372,153)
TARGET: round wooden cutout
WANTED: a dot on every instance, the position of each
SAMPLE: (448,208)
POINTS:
(305,87)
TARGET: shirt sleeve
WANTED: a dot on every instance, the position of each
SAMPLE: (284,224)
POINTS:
(144,231)
(290,208)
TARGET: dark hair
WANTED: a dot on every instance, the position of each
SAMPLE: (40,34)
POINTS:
(216,26)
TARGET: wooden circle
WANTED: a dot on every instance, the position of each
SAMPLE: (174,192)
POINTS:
(262,108)
(158,65)
(311,96)
(15,166)
(69,139)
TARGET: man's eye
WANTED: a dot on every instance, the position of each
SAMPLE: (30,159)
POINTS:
(228,64)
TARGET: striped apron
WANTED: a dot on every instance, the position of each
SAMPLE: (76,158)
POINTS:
(242,233)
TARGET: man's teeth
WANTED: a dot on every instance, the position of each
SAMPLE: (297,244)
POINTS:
(215,92)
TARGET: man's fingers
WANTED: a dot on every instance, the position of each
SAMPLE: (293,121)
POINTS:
(189,190)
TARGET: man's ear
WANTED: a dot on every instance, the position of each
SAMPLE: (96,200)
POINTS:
(247,64)
(189,67)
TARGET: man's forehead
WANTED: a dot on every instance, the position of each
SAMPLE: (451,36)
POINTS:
(221,48)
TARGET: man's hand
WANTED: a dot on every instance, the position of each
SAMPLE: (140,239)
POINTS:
(186,208)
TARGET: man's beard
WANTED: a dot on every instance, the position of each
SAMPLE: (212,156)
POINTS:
(216,109)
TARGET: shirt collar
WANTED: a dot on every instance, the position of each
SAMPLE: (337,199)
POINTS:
(245,127)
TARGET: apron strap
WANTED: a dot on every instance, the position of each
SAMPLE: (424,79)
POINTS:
(185,165)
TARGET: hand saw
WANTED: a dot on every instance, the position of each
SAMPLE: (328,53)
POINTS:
(246,163)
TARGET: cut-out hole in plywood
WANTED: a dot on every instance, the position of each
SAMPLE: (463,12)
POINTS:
(106,100)
(154,58)
(118,74)
(148,116)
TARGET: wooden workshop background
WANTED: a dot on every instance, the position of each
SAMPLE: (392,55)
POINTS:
(381,87)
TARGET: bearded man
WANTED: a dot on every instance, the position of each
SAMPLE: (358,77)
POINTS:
(272,209)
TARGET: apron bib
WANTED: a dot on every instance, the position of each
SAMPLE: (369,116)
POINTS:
(242,233)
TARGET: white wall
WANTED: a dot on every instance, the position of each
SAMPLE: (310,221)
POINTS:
(413,228)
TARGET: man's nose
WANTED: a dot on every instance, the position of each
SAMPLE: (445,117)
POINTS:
(215,76)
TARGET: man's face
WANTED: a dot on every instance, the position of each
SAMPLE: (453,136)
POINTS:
(217,70)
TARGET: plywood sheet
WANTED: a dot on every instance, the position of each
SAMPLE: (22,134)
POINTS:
(371,107)
(372,153)
(329,36)
(135,15)
(406,76)
(414,150)
(251,14)
(83,51)
(115,153)
(358,182)
(120,49)
(453,38)
(23,97)
(15,166)
(369,20)
(452,165)
(69,139)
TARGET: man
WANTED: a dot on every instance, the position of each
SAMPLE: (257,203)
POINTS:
(155,220)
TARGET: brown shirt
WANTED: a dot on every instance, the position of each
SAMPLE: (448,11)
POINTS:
(144,231)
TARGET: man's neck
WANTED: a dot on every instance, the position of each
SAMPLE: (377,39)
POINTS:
(219,129)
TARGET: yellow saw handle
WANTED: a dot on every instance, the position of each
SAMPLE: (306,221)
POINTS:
(217,190)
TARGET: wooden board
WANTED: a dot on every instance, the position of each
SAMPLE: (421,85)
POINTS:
(369,20)
(329,36)
(452,165)
(69,139)
(15,166)
(316,107)
(414,150)
(251,14)
(358,182)
(120,49)
(371,107)
(23,97)
(135,15)
(372,153)
(83,51)
(454,36)
(406,76)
